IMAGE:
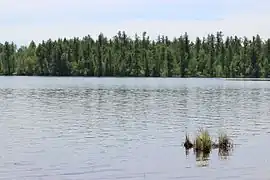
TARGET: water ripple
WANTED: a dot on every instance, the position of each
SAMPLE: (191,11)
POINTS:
(130,129)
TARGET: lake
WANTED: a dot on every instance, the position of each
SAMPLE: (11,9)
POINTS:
(131,128)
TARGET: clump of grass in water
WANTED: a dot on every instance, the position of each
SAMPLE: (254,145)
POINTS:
(224,142)
(203,141)
(188,143)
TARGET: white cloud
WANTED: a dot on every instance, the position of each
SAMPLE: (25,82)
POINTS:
(241,26)
(18,7)
(241,18)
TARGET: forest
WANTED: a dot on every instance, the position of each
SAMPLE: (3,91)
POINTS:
(121,56)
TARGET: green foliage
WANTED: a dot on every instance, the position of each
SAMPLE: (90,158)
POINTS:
(224,142)
(203,141)
(211,56)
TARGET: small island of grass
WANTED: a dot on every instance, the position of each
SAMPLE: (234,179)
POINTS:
(203,142)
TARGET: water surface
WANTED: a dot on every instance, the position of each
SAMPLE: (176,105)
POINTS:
(130,128)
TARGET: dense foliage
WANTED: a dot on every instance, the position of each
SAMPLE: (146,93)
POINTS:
(211,56)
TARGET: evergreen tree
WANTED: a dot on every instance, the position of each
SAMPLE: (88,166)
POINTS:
(210,56)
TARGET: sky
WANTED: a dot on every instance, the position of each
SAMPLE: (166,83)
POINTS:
(26,20)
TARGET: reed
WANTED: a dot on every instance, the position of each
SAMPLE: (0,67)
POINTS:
(188,144)
(203,141)
(224,142)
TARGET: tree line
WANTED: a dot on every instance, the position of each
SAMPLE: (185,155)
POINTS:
(210,56)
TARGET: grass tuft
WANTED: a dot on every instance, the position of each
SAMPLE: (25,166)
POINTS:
(224,142)
(188,143)
(203,141)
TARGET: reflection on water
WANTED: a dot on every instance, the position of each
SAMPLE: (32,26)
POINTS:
(202,158)
(130,128)
(225,154)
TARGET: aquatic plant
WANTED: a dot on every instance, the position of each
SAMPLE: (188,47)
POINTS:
(224,142)
(203,141)
(188,144)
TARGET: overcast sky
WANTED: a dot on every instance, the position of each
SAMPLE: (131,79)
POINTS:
(26,20)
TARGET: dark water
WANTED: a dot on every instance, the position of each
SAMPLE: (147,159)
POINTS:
(123,128)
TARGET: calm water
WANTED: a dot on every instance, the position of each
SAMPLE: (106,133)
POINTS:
(124,128)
